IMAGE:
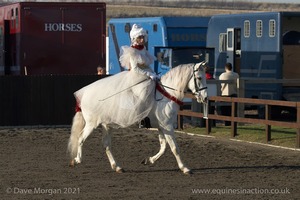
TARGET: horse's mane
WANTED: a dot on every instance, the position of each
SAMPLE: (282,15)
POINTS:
(178,76)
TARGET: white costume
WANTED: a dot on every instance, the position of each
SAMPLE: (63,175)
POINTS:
(135,59)
(127,97)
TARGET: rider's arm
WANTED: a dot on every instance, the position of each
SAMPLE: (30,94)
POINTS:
(135,68)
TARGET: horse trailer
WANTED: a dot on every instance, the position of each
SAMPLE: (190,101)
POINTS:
(173,40)
(52,38)
(260,46)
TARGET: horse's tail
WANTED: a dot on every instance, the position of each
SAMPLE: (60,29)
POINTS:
(76,130)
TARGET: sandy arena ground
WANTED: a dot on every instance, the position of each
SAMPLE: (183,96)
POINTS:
(34,165)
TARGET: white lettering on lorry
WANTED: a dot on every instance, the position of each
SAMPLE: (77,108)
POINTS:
(63,27)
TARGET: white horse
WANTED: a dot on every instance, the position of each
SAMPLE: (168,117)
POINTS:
(162,114)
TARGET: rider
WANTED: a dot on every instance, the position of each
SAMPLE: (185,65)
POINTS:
(126,97)
(136,58)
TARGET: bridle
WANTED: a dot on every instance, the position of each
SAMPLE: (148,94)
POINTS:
(198,89)
(160,87)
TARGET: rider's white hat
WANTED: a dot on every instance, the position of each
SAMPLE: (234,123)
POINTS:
(137,31)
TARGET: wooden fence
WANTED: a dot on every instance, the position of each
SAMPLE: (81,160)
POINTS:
(39,100)
(267,121)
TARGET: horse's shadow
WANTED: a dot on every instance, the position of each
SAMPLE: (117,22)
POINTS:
(248,168)
(221,169)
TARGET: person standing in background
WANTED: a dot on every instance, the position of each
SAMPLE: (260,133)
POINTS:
(228,89)
(101,70)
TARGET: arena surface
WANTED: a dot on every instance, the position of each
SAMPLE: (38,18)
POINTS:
(34,165)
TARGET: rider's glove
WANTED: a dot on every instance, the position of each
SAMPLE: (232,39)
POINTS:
(154,77)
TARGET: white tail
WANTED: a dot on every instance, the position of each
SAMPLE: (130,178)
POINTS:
(76,130)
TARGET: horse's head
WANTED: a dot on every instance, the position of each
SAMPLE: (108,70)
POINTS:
(197,83)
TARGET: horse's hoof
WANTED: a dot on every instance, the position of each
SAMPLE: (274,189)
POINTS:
(72,163)
(146,161)
(188,172)
(120,170)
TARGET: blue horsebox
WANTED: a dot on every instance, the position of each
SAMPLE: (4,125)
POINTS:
(173,40)
(260,46)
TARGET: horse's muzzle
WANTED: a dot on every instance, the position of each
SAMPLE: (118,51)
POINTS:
(200,98)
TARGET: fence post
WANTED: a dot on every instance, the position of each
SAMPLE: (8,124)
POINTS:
(208,121)
(268,127)
(233,114)
(241,94)
(298,128)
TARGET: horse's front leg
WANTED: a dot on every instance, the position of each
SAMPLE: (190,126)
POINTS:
(170,137)
(162,141)
(106,140)
(166,116)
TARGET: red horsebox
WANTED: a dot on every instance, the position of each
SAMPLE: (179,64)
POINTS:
(52,38)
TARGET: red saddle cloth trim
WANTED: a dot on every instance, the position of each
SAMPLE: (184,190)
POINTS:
(166,94)
(77,107)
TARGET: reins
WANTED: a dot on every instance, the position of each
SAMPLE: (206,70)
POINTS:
(161,88)
(123,90)
(165,86)
(200,89)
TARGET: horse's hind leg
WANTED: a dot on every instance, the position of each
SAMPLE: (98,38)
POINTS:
(162,141)
(88,129)
(76,130)
(106,140)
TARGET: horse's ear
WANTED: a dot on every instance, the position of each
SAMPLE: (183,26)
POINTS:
(200,66)
(203,63)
